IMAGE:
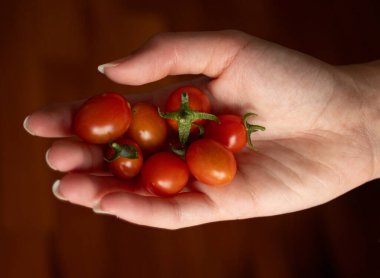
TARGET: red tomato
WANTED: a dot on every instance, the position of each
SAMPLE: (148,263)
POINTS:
(210,162)
(164,174)
(198,101)
(103,118)
(124,167)
(230,132)
(147,129)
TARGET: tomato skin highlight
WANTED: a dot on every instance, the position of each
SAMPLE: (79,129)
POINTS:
(230,132)
(211,163)
(102,118)
(164,174)
(198,101)
(123,167)
(147,128)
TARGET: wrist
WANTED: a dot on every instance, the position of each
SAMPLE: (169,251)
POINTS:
(366,82)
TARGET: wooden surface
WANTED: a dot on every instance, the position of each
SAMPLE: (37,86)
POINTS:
(49,51)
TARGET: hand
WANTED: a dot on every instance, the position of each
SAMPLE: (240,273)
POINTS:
(315,147)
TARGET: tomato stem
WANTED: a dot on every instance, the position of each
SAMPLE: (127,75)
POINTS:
(201,129)
(185,117)
(178,151)
(251,128)
(126,151)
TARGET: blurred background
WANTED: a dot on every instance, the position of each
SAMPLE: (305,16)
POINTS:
(49,52)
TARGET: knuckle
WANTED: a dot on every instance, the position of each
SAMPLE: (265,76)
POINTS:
(236,37)
(159,39)
(233,32)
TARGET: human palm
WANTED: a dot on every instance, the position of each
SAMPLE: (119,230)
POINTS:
(314,148)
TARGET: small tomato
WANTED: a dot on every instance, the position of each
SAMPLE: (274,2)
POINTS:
(210,162)
(103,118)
(164,174)
(147,129)
(198,101)
(124,157)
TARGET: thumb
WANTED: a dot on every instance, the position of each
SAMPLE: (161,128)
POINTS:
(208,53)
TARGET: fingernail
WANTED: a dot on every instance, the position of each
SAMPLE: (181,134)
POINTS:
(56,192)
(108,65)
(98,209)
(26,125)
(47,160)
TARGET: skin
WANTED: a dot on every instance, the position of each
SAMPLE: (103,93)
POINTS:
(320,140)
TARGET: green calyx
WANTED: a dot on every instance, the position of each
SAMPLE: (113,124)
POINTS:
(185,117)
(251,128)
(126,151)
(181,151)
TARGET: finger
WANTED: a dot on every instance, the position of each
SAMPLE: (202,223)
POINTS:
(52,121)
(86,190)
(68,155)
(207,53)
(183,210)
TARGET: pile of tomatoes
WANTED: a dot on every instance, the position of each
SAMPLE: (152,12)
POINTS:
(164,149)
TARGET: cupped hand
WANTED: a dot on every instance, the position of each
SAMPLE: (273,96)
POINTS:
(315,147)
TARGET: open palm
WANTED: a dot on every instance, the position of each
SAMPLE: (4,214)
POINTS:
(315,147)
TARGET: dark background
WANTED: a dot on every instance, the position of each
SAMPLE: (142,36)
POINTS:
(49,51)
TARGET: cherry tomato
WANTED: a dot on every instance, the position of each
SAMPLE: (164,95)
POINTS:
(164,174)
(230,132)
(147,129)
(198,101)
(210,162)
(128,161)
(103,118)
